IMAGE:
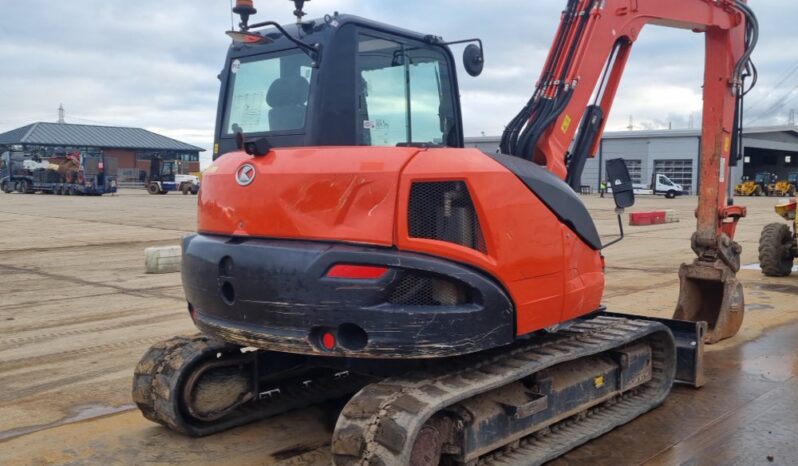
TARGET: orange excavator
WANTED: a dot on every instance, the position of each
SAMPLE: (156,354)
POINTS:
(350,248)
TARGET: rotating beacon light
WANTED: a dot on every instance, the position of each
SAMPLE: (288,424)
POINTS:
(244,9)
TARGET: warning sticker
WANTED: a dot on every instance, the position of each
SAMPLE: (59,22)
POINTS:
(722,174)
(566,123)
(235,66)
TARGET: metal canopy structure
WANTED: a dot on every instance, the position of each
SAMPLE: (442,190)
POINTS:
(63,134)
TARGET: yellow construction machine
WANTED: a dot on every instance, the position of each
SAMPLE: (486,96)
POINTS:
(777,245)
(758,186)
(785,188)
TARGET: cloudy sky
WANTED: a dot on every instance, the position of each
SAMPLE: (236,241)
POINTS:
(153,64)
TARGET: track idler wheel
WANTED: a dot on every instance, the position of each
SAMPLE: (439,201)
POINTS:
(189,384)
(428,447)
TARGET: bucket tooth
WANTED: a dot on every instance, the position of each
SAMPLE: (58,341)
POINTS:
(710,292)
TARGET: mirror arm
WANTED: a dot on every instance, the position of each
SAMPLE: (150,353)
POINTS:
(436,40)
(313,50)
(464,41)
(619,213)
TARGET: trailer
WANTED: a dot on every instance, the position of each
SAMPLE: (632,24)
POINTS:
(73,174)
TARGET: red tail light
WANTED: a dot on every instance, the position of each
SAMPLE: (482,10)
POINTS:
(358,272)
(328,341)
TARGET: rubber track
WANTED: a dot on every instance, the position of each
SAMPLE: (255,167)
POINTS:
(157,386)
(378,427)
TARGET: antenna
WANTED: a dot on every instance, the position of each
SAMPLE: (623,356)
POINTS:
(792,118)
(61,114)
(299,5)
(631,126)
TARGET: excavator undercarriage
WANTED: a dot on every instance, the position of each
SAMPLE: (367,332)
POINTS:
(532,401)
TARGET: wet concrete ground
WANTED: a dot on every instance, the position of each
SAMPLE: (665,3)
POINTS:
(77,311)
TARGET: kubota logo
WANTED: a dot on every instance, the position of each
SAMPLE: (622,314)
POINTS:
(245,175)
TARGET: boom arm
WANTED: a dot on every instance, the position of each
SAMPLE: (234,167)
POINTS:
(587,60)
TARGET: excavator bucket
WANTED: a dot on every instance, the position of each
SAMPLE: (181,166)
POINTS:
(710,292)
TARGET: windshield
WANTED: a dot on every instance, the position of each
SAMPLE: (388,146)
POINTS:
(665,180)
(168,168)
(762,177)
(404,94)
(267,94)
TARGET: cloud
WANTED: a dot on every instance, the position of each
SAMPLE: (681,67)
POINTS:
(154,64)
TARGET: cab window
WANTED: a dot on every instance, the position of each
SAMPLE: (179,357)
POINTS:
(404,95)
(268,93)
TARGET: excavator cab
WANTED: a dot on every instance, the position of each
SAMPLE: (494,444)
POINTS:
(340,81)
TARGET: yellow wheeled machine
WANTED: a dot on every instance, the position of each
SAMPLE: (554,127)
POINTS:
(758,186)
(785,188)
(777,245)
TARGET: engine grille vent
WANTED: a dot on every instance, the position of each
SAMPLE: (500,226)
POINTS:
(420,290)
(444,211)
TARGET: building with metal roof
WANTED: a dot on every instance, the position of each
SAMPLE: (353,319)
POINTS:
(132,147)
(676,154)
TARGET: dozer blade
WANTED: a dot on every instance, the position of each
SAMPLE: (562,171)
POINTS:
(710,292)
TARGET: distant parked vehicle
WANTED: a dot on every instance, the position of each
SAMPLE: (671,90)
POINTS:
(785,188)
(660,185)
(69,174)
(164,177)
(758,186)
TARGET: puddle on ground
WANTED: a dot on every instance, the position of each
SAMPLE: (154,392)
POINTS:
(82,413)
(778,368)
(757,267)
(758,307)
(777,287)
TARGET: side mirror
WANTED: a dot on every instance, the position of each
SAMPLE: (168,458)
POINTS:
(473,60)
(621,183)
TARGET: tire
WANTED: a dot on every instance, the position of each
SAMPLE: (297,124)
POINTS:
(757,191)
(776,250)
(670,194)
(24,187)
(185,189)
(153,188)
(6,187)
(194,190)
